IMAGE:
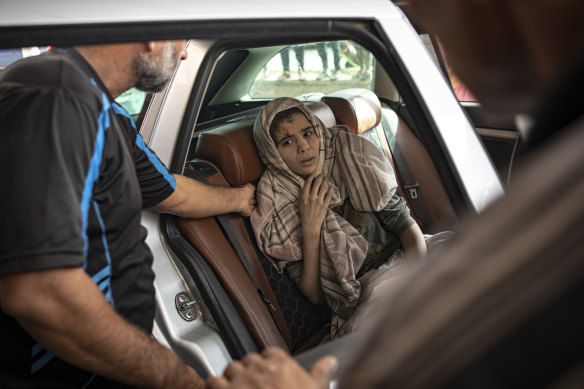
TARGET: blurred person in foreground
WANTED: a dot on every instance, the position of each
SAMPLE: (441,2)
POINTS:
(503,305)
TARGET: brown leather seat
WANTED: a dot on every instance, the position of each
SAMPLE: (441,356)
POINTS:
(423,169)
(361,111)
(231,150)
(357,108)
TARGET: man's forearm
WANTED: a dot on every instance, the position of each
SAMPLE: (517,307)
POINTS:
(70,318)
(196,200)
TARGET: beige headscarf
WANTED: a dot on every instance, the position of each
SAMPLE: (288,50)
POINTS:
(357,169)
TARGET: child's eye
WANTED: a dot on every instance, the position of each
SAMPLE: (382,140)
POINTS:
(286,142)
(308,133)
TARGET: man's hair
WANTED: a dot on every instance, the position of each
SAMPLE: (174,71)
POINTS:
(285,115)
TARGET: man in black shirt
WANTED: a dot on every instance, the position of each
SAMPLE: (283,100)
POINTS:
(76,285)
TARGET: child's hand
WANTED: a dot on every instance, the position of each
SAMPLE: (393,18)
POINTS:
(314,201)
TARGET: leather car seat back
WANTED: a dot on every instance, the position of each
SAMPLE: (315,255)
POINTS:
(231,150)
(357,108)
(361,111)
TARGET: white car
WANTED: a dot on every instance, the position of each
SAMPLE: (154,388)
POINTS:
(381,81)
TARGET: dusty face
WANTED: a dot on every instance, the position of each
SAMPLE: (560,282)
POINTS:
(298,145)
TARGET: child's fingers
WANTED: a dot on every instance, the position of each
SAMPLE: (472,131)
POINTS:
(324,188)
(307,185)
(316,184)
(329,195)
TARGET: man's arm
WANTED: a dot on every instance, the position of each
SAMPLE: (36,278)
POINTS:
(194,199)
(274,368)
(68,315)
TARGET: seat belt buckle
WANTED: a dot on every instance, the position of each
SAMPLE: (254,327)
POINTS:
(413,189)
(266,300)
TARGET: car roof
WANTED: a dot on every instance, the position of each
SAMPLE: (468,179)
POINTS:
(16,13)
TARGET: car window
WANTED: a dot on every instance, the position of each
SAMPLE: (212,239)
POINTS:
(8,56)
(133,101)
(321,66)
(461,91)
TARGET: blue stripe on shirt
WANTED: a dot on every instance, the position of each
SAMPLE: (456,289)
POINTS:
(140,143)
(93,173)
(103,124)
(37,348)
(105,273)
(42,361)
(121,111)
(155,161)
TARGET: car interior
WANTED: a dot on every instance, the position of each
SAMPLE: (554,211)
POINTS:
(221,253)
(248,302)
(227,283)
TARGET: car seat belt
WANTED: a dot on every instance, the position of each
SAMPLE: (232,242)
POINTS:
(409,183)
(230,233)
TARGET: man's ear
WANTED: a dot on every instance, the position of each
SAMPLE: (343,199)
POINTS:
(150,46)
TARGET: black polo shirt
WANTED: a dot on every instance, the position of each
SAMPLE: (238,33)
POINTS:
(75,175)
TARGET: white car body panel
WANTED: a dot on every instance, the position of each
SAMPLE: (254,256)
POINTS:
(59,12)
(194,338)
(168,119)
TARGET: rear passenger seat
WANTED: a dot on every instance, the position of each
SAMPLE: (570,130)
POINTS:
(419,182)
(229,153)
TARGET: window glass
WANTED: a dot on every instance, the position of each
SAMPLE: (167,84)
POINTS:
(321,67)
(133,101)
(7,56)
(461,92)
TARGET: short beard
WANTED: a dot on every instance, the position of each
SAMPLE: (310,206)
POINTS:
(154,73)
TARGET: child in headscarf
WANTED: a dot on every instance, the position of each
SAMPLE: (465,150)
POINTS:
(327,209)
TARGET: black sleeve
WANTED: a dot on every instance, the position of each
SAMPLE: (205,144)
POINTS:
(45,157)
(156,182)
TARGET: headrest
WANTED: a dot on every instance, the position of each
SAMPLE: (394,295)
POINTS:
(232,149)
(357,108)
(323,112)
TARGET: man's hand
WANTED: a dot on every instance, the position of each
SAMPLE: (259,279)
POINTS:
(196,200)
(247,200)
(274,368)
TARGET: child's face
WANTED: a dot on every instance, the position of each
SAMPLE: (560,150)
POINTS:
(298,145)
